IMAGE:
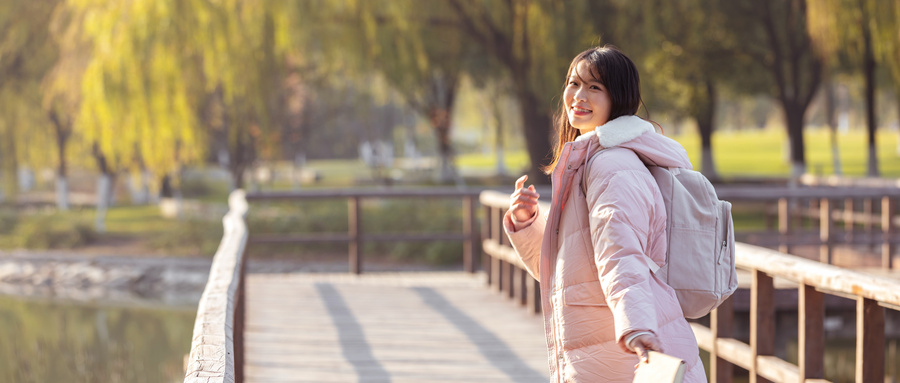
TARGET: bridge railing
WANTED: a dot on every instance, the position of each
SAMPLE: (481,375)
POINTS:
(815,279)
(831,214)
(355,237)
(217,345)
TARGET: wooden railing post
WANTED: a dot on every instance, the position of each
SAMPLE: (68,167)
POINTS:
(487,228)
(811,327)
(522,278)
(534,295)
(784,224)
(497,274)
(355,227)
(826,227)
(849,221)
(721,324)
(869,341)
(868,210)
(510,273)
(813,206)
(888,207)
(471,245)
(762,321)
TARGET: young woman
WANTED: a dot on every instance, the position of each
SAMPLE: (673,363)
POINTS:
(603,308)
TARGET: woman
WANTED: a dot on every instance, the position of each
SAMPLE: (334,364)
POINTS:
(592,252)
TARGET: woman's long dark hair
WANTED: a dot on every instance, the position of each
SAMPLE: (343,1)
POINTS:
(618,74)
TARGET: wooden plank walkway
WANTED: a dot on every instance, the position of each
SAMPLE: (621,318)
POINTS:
(395,327)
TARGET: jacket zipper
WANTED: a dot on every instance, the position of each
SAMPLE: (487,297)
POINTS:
(555,305)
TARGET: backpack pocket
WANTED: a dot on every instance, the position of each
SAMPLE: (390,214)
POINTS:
(691,274)
(726,275)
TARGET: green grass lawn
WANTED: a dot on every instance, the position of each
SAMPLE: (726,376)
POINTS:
(757,153)
(763,152)
(140,229)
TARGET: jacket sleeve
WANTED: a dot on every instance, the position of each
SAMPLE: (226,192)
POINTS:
(622,203)
(527,240)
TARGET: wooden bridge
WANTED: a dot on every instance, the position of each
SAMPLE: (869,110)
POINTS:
(447,327)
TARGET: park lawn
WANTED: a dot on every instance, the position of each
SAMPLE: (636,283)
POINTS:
(764,152)
(139,228)
(757,153)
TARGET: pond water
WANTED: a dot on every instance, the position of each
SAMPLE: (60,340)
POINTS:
(53,341)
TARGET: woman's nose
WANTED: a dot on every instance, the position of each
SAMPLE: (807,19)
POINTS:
(579,94)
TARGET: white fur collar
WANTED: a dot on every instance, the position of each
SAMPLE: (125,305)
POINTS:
(619,131)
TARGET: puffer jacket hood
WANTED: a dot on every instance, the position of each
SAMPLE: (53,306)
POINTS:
(592,253)
(629,132)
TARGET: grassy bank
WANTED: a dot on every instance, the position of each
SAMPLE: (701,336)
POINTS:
(760,153)
(130,230)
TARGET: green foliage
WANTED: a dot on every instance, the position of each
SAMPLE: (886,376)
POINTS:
(416,216)
(192,237)
(49,231)
(8,221)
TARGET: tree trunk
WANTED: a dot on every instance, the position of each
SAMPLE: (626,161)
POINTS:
(239,159)
(794,119)
(537,125)
(831,120)
(62,193)
(104,195)
(705,116)
(794,66)
(105,189)
(439,118)
(871,124)
(62,137)
(498,120)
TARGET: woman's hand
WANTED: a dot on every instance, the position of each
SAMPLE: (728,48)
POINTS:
(643,344)
(523,201)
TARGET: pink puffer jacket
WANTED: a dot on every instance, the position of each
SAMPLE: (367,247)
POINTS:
(596,284)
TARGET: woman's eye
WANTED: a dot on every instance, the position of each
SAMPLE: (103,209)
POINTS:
(595,87)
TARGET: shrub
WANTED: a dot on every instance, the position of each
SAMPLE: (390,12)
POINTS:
(192,237)
(8,221)
(52,232)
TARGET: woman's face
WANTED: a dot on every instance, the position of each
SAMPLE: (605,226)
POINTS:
(586,99)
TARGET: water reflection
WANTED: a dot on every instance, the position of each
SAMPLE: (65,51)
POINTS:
(50,341)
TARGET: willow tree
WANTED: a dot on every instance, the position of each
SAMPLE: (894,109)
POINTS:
(244,48)
(61,89)
(889,49)
(137,101)
(27,53)
(418,52)
(166,75)
(774,34)
(694,61)
(423,55)
(856,31)
(534,42)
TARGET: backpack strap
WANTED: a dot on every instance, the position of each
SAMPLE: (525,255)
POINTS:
(584,174)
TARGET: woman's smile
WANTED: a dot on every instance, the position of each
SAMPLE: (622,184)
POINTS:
(586,98)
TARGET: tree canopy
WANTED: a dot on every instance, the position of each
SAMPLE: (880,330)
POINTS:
(153,86)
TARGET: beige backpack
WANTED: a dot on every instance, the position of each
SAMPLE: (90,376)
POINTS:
(700,232)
